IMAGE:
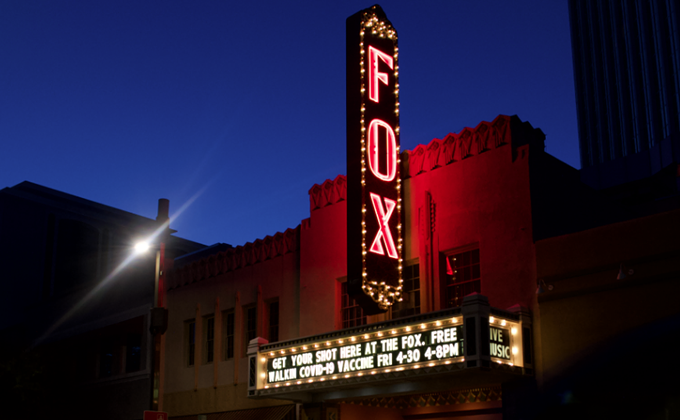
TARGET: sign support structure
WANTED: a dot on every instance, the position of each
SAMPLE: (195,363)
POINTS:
(375,247)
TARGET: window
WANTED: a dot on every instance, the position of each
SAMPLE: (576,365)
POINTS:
(106,358)
(410,305)
(191,342)
(462,276)
(133,353)
(352,314)
(209,338)
(251,325)
(229,335)
(274,321)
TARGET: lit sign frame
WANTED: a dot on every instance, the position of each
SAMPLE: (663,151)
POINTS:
(390,350)
(375,245)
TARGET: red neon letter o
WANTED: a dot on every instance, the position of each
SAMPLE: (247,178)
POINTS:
(390,150)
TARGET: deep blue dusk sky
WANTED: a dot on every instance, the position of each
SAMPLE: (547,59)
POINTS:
(242,105)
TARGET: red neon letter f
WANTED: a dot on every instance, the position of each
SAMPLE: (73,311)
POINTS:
(375,76)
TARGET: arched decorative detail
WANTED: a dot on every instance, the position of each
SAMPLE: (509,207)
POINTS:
(450,143)
(465,143)
(501,127)
(481,137)
(416,158)
(469,142)
(329,192)
(433,150)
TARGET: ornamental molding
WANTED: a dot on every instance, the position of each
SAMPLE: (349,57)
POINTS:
(434,399)
(455,147)
(330,192)
(235,259)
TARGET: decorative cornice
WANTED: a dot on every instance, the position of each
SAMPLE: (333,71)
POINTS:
(432,399)
(236,258)
(330,192)
(470,142)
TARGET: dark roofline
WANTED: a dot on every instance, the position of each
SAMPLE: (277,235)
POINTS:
(199,254)
(63,198)
(30,191)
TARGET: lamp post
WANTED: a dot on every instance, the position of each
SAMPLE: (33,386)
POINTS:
(159,314)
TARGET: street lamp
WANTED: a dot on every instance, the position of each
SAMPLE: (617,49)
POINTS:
(159,315)
(142,247)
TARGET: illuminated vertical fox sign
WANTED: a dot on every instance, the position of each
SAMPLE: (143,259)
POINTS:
(374,231)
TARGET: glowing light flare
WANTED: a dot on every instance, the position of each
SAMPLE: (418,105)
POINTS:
(111,277)
(141,247)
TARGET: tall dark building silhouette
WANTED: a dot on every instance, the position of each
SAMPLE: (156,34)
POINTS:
(626,56)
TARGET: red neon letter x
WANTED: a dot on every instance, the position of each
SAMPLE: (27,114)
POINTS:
(375,76)
(384,232)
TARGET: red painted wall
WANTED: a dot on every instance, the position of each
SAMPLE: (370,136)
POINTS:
(479,190)
(323,257)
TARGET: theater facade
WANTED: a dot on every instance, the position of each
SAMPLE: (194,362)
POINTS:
(271,323)
(412,290)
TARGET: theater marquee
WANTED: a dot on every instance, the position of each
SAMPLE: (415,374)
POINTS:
(383,353)
(396,350)
(374,239)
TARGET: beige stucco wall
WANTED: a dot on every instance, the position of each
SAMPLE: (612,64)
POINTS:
(214,400)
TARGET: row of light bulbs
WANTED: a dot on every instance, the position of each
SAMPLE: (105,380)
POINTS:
(385,295)
(379,334)
(502,323)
